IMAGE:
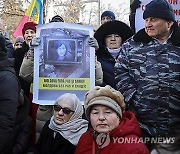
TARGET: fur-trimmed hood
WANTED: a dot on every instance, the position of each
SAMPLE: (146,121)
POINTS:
(142,36)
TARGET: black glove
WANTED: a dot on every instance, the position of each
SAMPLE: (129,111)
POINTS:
(134,5)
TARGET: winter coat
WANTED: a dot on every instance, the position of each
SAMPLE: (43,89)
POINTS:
(47,144)
(9,47)
(103,55)
(18,56)
(98,73)
(128,128)
(44,113)
(27,67)
(8,104)
(23,128)
(148,76)
(107,63)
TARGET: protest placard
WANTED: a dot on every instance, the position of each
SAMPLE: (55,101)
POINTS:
(63,62)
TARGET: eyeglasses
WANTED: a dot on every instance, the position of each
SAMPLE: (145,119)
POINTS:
(18,44)
(65,110)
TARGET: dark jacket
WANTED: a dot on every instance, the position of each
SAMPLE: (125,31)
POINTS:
(23,127)
(18,56)
(148,75)
(127,129)
(9,47)
(47,144)
(103,55)
(8,103)
(107,63)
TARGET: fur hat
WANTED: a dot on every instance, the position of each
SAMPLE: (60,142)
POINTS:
(108,14)
(160,9)
(19,39)
(3,50)
(57,18)
(106,96)
(113,27)
(29,25)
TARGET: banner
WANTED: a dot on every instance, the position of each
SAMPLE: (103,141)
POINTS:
(139,21)
(63,62)
(33,13)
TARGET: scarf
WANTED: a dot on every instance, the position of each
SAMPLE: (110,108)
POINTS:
(114,52)
(74,128)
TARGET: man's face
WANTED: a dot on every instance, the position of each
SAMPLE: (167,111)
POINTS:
(17,45)
(158,28)
(105,19)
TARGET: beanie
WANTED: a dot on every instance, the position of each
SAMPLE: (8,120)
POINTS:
(159,9)
(106,96)
(108,14)
(57,18)
(29,25)
(3,50)
(19,39)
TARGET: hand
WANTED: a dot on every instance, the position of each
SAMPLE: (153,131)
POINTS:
(49,68)
(134,5)
(35,42)
(93,43)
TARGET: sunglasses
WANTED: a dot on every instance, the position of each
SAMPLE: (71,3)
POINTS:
(65,110)
(18,44)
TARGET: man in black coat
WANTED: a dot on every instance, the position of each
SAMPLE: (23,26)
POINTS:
(8,99)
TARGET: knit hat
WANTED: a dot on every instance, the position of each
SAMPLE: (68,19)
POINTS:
(19,39)
(106,96)
(29,25)
(113,27)
(3,50)
(108,14)
(57,18)
(160,9)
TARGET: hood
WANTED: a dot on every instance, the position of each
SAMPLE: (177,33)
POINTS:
(128,126)
(6,62)
(142,36)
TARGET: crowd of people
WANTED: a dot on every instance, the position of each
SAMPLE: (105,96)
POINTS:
(133,108)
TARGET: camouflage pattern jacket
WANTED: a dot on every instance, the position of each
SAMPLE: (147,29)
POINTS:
(147,73)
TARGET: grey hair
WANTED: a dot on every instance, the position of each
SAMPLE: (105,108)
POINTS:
(76,103)
(72,98)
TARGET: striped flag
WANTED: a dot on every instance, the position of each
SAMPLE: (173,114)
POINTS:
(33,13)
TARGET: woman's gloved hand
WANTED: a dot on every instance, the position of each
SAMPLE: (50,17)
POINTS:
(93,43)
(35,42)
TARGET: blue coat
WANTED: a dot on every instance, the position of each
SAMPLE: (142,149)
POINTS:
(107,63)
